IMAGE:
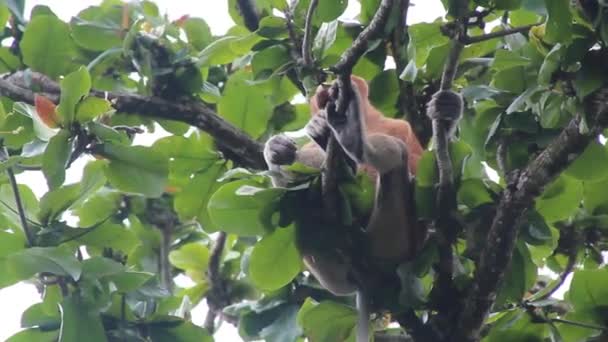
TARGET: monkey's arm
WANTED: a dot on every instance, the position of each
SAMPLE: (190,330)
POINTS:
(282,150)
(393,230)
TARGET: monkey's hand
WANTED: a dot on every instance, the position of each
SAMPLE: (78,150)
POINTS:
(348,127)
(445,105)
(280,150)
(318,129)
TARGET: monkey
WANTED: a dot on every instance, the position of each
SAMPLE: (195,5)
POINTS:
(385,149)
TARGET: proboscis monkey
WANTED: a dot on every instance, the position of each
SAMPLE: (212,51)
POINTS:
(384,148)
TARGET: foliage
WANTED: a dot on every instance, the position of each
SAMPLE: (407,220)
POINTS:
(146,214)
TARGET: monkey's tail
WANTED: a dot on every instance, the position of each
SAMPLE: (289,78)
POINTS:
(362,317)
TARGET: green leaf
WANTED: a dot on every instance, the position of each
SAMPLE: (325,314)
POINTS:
(129,281)
(98,28)
(9,243)
(24,264)
(240,212)
(591,165)
(192,201)
(595,200)
(384,92)
(8,206)
(559,23)
(55,158)
(550,65)
(55,202)
(98,207)
(275,260)
(505,59)
(197,32)
(265,62)
(587,291)
(192,258)
(272,27)
(47,46)
(328,321)
(182,332)
(109,235)
(519,278)
(17,130)
(560,199)
(74,87)
(326,37)
(245,106)
(135,169)
(424,37)
(473,193)
(508,4)
(226,49)
(516,325)
(92,107)
(79,322)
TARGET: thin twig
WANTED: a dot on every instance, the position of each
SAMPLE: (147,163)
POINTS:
(573,239)
(376,26)
(296,45)
(579,324)
(166,238)
(466,40)
(29,235)
(217,297)
(307,41)
(451,65)
(407,103)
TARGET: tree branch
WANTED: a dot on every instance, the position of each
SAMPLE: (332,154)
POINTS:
(407,104)
(518,196)
(350,57)
(296,48)
(307,41)
(244,150)
(249,13)
(466,40)
(29,235)
(217,297)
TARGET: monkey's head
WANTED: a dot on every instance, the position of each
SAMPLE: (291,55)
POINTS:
(324,93)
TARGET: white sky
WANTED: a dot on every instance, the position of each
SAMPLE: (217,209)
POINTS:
(15,299)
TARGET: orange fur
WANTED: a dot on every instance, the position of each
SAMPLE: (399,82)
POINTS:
(376,123)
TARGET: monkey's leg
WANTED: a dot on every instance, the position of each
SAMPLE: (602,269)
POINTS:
(393,228)
(393,224)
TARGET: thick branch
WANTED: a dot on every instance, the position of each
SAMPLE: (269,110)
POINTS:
(516,199)
(245,150)
(372,31)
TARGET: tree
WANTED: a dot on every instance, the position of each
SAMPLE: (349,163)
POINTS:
(199,203)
